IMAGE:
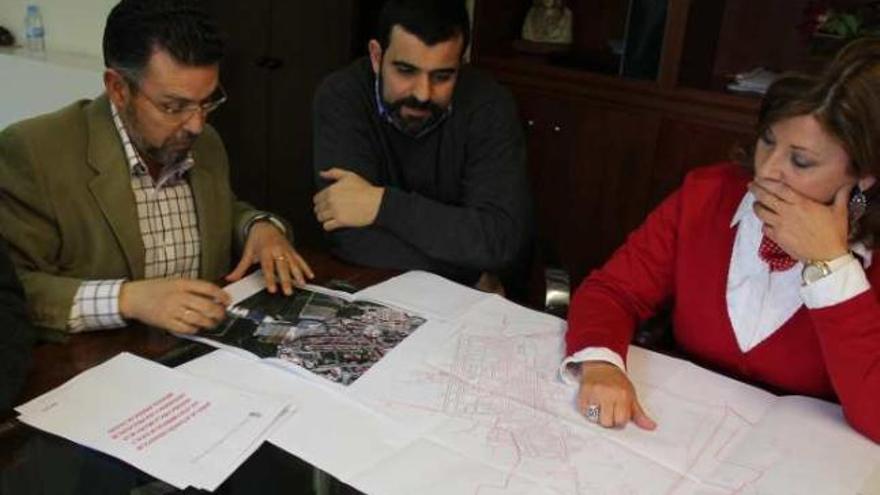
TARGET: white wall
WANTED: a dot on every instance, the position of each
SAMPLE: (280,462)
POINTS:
(32,87)
(74,26)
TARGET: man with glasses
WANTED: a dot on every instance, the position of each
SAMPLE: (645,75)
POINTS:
(120,209)
(421,160)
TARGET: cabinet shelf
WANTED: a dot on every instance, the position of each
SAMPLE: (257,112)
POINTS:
(701,43)
(604,149)
(736,110)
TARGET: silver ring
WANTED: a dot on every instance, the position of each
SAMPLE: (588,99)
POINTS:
(592,413)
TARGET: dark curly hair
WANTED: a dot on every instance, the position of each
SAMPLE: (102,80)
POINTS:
(432,21)
(182,28)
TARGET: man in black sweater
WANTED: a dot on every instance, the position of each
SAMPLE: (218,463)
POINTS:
(420,161)
(15,333)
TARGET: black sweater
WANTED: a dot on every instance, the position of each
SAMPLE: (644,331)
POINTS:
(15,333)
(456,200)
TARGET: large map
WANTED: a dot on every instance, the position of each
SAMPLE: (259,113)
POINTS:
(474,405)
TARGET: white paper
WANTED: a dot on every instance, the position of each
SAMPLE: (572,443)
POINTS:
(246,287)
(427,468)
(255,282)
(471,403)
(324,418)
(178,428)
(475,406)
(338,435)
(804,445)
(488,392)
(423,293)
(247,373)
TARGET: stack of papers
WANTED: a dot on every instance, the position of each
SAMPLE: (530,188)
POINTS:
(757,80)
(182,429)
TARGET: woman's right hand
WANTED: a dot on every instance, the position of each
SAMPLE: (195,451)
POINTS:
(607,386)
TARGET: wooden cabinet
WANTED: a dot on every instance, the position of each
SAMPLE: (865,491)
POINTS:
(588,177)
(550,127)
(601,157)
(241,121)
(604,150)
(700,43)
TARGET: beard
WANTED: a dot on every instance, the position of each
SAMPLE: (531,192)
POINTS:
(411,125)
(172,151)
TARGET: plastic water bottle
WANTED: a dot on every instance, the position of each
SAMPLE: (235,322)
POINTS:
(34,33)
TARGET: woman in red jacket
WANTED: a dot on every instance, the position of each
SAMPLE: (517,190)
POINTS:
(770,267)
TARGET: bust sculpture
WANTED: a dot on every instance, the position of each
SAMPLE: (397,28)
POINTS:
(548,21)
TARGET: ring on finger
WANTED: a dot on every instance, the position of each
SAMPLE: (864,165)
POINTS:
(280,258)
(592,413)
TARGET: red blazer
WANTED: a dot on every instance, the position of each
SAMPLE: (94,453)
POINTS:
(682,251)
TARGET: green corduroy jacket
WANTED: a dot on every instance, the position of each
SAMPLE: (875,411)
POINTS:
(68,211)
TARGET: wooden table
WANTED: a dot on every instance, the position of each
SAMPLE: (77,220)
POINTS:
(53,363)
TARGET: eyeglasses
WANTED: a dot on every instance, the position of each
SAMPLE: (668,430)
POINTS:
(180,111)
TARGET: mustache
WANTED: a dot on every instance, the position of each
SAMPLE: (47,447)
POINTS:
(187,138)
(180,144)
(413,102)
(174,150)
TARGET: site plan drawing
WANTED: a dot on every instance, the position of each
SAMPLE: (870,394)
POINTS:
(480,408)
(472,401)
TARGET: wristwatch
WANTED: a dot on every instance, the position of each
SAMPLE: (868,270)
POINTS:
(267,217)
(817,270)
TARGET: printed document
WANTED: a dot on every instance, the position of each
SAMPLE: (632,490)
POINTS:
(181,429)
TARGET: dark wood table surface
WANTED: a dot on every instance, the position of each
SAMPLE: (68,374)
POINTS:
(53,363)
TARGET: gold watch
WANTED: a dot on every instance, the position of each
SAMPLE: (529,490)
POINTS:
(816,270)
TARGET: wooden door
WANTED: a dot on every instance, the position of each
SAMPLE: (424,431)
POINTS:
(548,138)
(686,143)
(278,52)
(241,121)
(590,167)
(309,41)
(611,171)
